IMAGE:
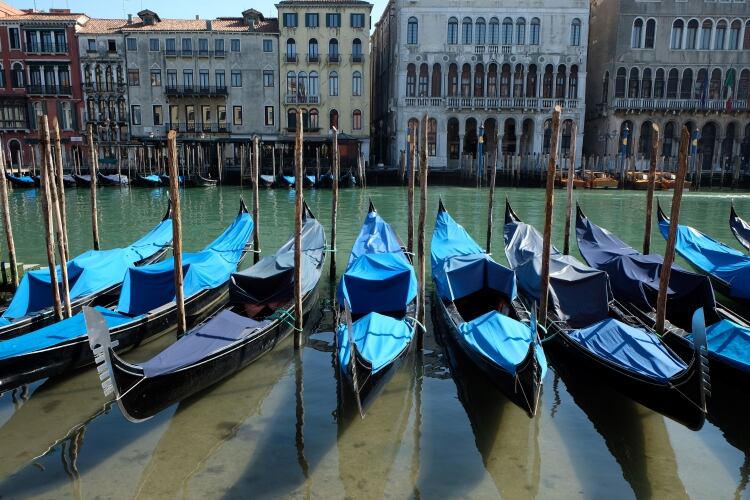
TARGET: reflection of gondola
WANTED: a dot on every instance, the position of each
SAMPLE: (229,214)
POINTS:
(729,413)
(504,435)
(740,228)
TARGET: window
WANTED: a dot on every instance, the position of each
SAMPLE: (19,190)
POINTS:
(734,35)
(91,45)
(219,46)
(311,20)
(153,45)
(650,34)
(432,137)
(171,78)
(534,33)
(291,83)
(620,83)
(187,46)
(236,78)
(268,78)
(452,31)
(706,29)
(221,115)
(646,84)
(466,34)
(190,116)
(507,32)
(412,31)
(636,34)
(312,50)
(673,80)
(269,116)
(494,37)
(302,84)
(206,115)
(15,39)
(314,119)
(174,114)
(520,31)
(357,83)
(356,120)
(686,88)
(691,37)
(267,45)
(111,46)
(187,78)
(721,35)
(290,20)
(203,46)
(333,20)
(157,113)
(677,28)
(333,49)
(170,46)
(659,84)
(236,115)
(481,31)
(424,80)
(333,119)
(634,83)
(134,77)
(203,79)
(313,88)
(575,32)
(156,78)
(234,44)
(411,81)
(221,82)
(746,41)
(333,83)
(357,49)
(131,44)
(358,20)
(291,50)
(135,114)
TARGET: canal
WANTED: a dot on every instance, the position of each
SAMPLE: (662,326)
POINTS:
(438,430)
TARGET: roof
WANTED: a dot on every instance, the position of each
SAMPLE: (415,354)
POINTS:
(8,10)
(268,25)
(342,3)
(103,26)
(63,15)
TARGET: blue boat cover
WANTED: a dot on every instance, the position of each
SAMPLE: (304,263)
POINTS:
(712,257)
(23,179)
(88,273)
(151,178)
(502,340)
(633,349)
(379,340)
(311,178)
(634,277)
(222,332)
(578,293)
(146,288)
(460,267)
(289,179)
(57,333)
(729,342)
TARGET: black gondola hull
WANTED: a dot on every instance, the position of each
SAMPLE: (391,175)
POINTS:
(196,180)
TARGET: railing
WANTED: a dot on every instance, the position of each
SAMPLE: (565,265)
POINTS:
(291,58)
(117,88)
(506,49)
(302,99)
(334,58)
(170,52)
(479,49)
(195,90)
(186,52)
(358,58)
(492,49)
(102,119)
(49,89)
(47,48)
(13,124)
(313,58)
(204,53)
(199,127)
(677,104)
(525,103)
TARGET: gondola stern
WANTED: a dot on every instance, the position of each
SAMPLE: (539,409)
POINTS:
(307,213)
(510,216)
(700,346)
(662,217)
(441,207)
(243,207)
(168,214)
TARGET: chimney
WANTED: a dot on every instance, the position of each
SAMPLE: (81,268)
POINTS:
(209,25)
(130,18)
(197,17)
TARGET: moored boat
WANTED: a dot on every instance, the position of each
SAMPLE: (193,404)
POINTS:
(20,181)
(148,180)
(82,180)
(638,180)
(197,180)
(287,181)
(599,180)
(267,180)
(740,228)
(477,306)
(113,179)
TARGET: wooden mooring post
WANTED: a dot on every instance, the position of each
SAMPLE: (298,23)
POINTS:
(411,171)
(550,199)
(298,170)
(491,204)
(650,192)
(569,186)
(334,199)
(48,218)
(7,224)
(92,172)
(174,193)
(61,186)
(420,234)
(256,201)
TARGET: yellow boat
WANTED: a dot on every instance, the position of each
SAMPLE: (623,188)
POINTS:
(667,180)
(600,180)
(637,180)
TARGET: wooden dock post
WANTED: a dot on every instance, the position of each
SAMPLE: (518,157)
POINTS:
(411,171)
(61,186)
(401,167)
(256,202)
(491,205)
(218,160)
(48,220)
(335,199)
(8,226)
(298,171)
(174,193)
(651,186)
(92,172)
(666,268)
(569,186)
(423,167)
(317,166)
(550,199)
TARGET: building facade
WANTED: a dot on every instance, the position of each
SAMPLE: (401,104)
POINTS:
(658,62)
(39,74)
(496,71)
(325,67)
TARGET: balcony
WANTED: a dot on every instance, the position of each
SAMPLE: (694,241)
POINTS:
(334,58)
(13,125)
(112,88)
(49,89)
(186,52)
(313,58)
(302,99)
(498,103)
(195,91)
(358,58)
(204,53)
(423,102)
(644,104)
(199,127)
(290,58)
(220,53)
(170,52)
(47,48)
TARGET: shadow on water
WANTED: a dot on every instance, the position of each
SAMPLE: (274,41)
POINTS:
(728,410)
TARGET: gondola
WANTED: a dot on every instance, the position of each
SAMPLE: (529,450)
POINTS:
(267,181)
(146,309)
(197,180)
(378,296)
(598,336)
(308,181)
(254,322)
(287,181)
(348,180)
(740,228)
(165,179)
(477,306)
(326,180)
(82,180)
(112,180)
(151,180)
(634,279)
(20,181)
(94,277)
(728,269)
(68,180)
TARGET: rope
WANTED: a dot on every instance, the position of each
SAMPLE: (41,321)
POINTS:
(424,329)
(285,316)
(255,251)
(329,249)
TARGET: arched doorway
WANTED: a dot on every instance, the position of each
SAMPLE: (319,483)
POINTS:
(509,137)
(644,139)
(707,145)
(454,141)
(626,138)
(527,137)
(490,135)
(16,156)
(470,139)
(727,146)
(566,138)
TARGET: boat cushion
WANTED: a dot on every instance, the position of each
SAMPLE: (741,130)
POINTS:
(730,342)
(633,349)
(502,340)
(221,332)
(379,340)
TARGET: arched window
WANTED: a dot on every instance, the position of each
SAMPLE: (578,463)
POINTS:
(432,137)
(356,120)
(314,119)
(691,37)
(452,80)
(466,81)
(534,34)
(291,119)
(312,50)
(620,82)
(302,85)
(727,91)
(2,77)
(357,49)
(437,81)
(479,80)
(492,80)
(678,27)
(507,33)
(686,87)
(291,83)
(701,84)
(743,86)
(720,38)
(666,149)
(18,78)
(746,40)
(573,83)
(605,87)
(633,84)
(672,81)
(413,127)
(659,84)
(452,31)
(520,31)
(547,82)
(518,81)
(714,87)
(734,35)
(481,31)
(636,33)
(424,80)
(466,35)
(313,88)
(333,49)
(333,119)
(648,42)
(547,136)
(291,50)
(646,84)
(333,83)
(411,81)
(357,83)
(494,31)
(560,82)
(505,81)
(706,29)
(575,32)
(412,31)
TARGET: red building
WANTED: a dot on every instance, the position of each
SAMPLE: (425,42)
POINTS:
(39,74)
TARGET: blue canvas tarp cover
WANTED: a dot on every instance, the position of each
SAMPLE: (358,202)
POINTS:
(578,293)
(379,339)
(460,267)
(290,180)
(634,277)
(88,273)
(149,287)
(630,348)
(152,178)
(224,330)
(712,257)
(24,179)
(312,179)
(730,342)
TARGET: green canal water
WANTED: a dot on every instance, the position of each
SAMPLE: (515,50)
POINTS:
(438,430)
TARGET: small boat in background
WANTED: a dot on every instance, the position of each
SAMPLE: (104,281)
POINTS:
(287,181)
(667,180)
(638,180)
(21,181)
(197,180)
(82,180)
(266,181)
(69,181)
(151,180)
(348,180)
(599,180)
(256,319)
(561,180)
(326,180)
(309,181)
(740,228)
(113,179)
